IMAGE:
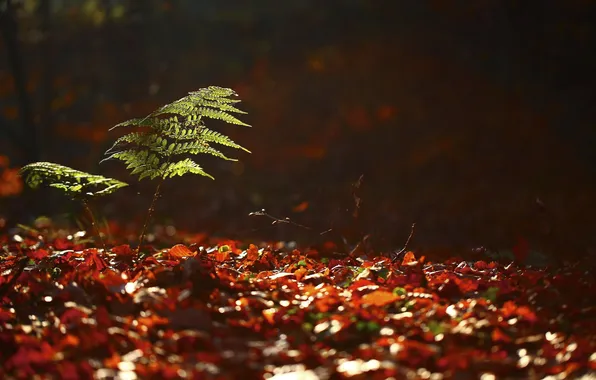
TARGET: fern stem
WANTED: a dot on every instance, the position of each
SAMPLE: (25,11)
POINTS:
(149,214)
(94,224)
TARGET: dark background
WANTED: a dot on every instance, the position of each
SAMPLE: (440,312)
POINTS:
(459,115)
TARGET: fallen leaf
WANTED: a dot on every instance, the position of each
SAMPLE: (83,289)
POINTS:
(180,251)
(379,298)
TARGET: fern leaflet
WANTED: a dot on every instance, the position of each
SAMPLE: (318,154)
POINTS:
(177,129)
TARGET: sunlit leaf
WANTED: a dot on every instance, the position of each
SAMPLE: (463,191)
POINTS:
(379,298)
(181,251)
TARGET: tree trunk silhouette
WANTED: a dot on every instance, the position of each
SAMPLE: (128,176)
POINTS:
(9,28)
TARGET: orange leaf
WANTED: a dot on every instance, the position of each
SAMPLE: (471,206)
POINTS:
(113,361)
(499,336)
(408,258)
(69,341)
(252,253)
(527,314)
(222,256)
(180,250)
(269,315)
(379,298)
(100,263)
(508,309)
(300,273)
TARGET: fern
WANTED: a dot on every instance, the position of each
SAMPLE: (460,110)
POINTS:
(162,142)
(175,130)
(77,184)
(73,182)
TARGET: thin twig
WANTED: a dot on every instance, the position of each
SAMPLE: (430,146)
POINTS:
(149,213)
(94,224)
(398,254)
(278,220)
(357,199)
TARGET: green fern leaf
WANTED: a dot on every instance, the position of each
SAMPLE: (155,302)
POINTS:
(208,135)
(73,182)
(176,130)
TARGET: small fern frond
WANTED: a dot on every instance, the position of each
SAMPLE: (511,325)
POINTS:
(73,182)
(151,141)
(177,129)
(208,135)
(182,167)
(212,102)
(146,121)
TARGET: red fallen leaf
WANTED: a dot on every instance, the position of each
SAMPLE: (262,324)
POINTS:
(326,304)
(102,316)
(527,314)
(68,370)
(508,309)
(38,254)
(252,253)
(122,250)
(62,244)
(499,336)
(362,283)
(408,258)
(268,260)
(222,256)
(72,316)
(466,285)
(69,341)
(26,356)
(379,298)
(454,361)
(521,249)
(5,316)
(113,361)
(449,289)
(206,357)
(152,320)
(100,264)
(180,250)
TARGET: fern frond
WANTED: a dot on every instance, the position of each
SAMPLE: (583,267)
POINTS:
(71,181)
(177,129)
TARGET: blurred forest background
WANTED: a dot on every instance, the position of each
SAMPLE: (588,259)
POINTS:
(473,119)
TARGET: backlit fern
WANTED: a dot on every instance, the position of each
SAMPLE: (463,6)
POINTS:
(162,141)
(75,183)
(176,130)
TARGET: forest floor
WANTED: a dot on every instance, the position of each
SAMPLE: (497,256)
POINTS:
(221,309)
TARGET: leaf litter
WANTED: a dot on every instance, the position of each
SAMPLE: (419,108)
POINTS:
(226,309)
